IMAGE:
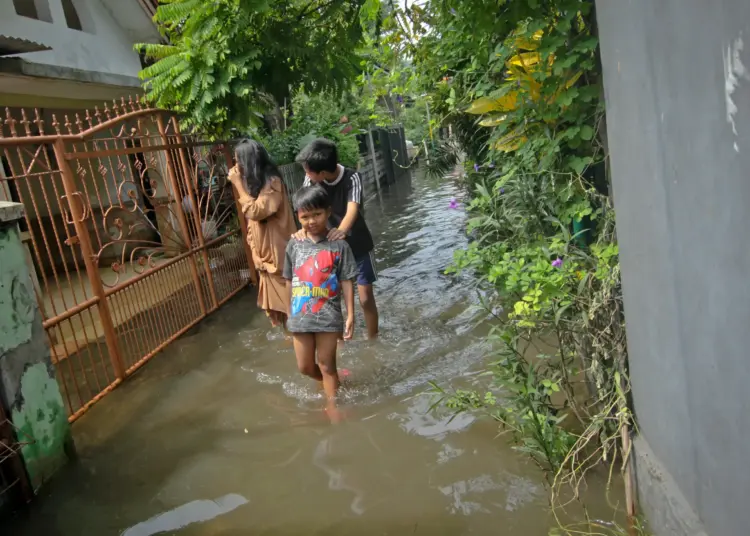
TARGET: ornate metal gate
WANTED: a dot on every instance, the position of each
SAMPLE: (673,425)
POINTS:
(132,231)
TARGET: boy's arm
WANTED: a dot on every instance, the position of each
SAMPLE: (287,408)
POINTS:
(288,274)
(354,196)
(352,210)
(288,298)
(348,288)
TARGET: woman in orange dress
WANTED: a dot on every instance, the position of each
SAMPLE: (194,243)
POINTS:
(270,223)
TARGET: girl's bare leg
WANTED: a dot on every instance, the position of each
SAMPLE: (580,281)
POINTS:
(304,350)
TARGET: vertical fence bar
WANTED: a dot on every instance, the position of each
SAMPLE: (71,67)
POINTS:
(243,222)
(181,214)
(78,214)
(196,213)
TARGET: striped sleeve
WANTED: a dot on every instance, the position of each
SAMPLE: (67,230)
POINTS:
(307,182)
(355,189)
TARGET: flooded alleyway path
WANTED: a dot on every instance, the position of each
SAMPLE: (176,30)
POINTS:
(220,435)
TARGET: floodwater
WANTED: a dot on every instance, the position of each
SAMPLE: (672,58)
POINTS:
(219,434)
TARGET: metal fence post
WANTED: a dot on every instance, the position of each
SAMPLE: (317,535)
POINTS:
(371,143)
(181,214)
(196,214)
(79,215)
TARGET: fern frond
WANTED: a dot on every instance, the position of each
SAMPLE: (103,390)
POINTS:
(154,51)
(162,66)
(195,89)
(182,78)
(175,11)
(205,27)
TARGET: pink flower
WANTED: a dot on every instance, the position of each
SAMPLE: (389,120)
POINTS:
(453,204)
(557,262)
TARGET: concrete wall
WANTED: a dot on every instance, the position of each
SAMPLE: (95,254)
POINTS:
(28,387)
(677,80)
(105,45)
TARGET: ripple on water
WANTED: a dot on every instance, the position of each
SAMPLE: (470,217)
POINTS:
(420,420)
(468,496)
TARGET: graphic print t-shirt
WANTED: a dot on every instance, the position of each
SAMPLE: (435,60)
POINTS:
(316,271)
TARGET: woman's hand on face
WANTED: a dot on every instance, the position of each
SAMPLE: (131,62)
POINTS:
(234,175)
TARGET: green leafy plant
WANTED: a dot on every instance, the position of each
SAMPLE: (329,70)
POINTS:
(316,115)
(229,61)
(522,90)
(416,126)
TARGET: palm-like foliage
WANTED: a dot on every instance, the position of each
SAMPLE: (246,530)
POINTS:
(228,59)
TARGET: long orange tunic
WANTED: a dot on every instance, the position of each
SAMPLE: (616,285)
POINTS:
(270,224)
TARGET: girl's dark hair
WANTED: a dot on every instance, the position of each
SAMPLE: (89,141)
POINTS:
(320,155)
(256,165)
(312,197)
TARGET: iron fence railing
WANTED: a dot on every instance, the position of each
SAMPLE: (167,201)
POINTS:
(132,232)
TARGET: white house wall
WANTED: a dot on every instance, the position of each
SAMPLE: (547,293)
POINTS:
(104,46)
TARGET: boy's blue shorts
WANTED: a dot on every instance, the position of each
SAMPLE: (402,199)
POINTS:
(367,274)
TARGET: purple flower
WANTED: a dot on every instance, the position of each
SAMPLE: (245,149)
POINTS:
(557,262)
(454,12)
(502,190)
(453,204)
(476,168)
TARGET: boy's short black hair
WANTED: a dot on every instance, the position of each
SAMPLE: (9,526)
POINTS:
(320,155)
(312,197)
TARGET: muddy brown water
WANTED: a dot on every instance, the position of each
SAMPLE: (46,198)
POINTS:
(219,435)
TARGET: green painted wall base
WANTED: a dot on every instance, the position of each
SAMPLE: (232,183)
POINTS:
(40,415)
(28,386)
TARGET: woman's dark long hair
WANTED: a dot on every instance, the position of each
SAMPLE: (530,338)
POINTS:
(256,165)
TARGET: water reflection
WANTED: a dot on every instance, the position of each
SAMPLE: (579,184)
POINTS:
(187,514)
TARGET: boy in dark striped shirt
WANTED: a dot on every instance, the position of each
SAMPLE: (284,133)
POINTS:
(344,187)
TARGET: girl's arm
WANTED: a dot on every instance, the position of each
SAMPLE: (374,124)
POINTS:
(267,204)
